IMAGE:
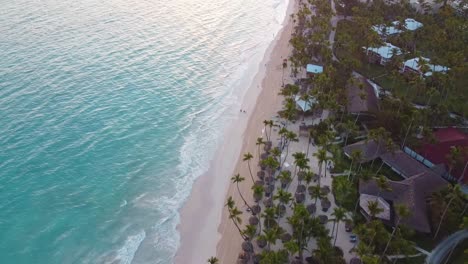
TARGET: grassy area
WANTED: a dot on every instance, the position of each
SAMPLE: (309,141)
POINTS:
(416,260)
(385,170)
(424,241)
(458,255)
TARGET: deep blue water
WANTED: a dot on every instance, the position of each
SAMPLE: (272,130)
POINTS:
(108,112)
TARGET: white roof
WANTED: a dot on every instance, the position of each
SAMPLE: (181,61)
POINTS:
(410,24)
(384,30)
(364,200)
(305,105)
(386,51)
(414,64)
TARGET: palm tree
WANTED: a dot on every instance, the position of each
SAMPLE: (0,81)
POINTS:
(269,215)
(259,143)
(356,156)
(315,193)
(402,212)
(309,141)
(454,158)
(340,214)
(247,157)
(374,208)
(271,163)
(321,156)
(382,184)
(213,260)
(250,231)
(258,191)
(234,215)
(378,135)
(265,124)
(454,193)
(350,128)
(283,197)
(289,137)
(270,236)
(237,179)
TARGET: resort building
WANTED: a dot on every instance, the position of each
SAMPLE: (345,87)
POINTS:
(370,150)
(422,67)
(396,28)
(362,98)
(382,55)
(305,105)
(436,154)
(412,192)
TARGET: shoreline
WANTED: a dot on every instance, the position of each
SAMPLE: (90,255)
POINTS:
(203,228)
(267,106)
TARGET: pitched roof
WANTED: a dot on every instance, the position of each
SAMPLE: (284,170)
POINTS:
(364,200)
(403,163)
(414,64)
(386,51)
(446,138)
(410,24)
(411,192)
(357,104)
(369,150)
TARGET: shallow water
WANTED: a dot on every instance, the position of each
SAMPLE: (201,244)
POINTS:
(108,112)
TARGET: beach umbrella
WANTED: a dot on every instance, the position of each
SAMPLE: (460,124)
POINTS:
(281,209)
(300,197)
(270,188)
(261,243)
(323,219)
(269,179)
(355,261)
(243,257)
(261,174)
(285,237)
(312,260)
(247,246)
(301,175)
(253,220)
(259,183)
(311,208)
(256,258)
(268,202)
(325,189)
(325,204)
(301,188)
(256,209)
(257,197)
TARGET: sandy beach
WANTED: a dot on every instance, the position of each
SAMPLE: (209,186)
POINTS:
(205,228)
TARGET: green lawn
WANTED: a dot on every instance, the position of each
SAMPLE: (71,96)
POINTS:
(458,256)
(416,260)
(424,241)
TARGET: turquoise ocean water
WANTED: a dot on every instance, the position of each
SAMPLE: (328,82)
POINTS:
(108,112)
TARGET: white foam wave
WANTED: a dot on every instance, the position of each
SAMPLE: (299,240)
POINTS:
(127,252)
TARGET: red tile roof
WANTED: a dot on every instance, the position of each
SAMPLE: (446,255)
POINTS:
(437,153)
